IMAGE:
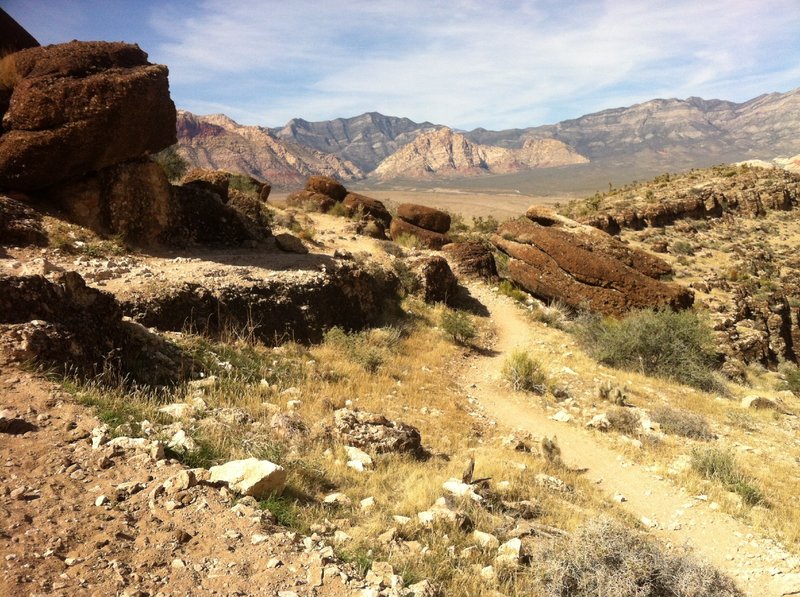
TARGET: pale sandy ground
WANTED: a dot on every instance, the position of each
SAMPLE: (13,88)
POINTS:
(500,205)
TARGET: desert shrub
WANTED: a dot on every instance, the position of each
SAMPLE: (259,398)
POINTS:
(409,241)
(605,558)
(682,247)
(245,184)
(508,288)
(681,422)
(173,164)
(458,325)
(339,210)
(523,372)
(720,466)
(487,225)
(409,281)
(676,346)
(370,348)
(624,420)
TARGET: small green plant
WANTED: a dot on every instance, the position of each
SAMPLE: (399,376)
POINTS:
(282,508)
(677,346)
(487,225)
(409,281)
(719,465)
(243,183)
(791,378)
(523,372)
(409,241)
(458,326)
(508,288)
(340,210)
(173,164)
(682,247)
(680,422)
(624,420)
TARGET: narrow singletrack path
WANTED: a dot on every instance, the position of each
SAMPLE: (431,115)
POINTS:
(676,517)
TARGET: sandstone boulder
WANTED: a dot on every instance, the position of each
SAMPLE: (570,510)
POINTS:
(367,206)
(216,181)
(310,200)
(325,185)
(79,107)
(290,243)
(254,477)
(473,259)
(199,217)
(427,238)
(436,280)
(253,211)
(13,37)
(556,263)
(375,433)
(424,217)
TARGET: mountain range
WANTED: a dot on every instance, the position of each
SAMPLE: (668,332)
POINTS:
(627,143)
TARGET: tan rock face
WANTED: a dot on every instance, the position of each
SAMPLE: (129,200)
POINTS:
(80,107)
(557,264)
(447,153)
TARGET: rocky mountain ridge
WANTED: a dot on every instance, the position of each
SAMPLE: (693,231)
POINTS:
(218,142)
(445,152)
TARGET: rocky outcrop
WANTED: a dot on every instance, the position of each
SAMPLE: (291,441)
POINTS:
(446,153)
(62,323)
(556,262)
(427,225)
(216,181)
(471,259)
(20,224)
(376,434)
(80,107)
(367,207)
(285,307)
(325,185)
(216,142)
(310,200)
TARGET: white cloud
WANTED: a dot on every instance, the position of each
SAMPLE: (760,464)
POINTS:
(471,63)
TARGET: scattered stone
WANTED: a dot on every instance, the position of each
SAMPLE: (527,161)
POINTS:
(369,431)
(509,552)
(337,499)
(357,456)
(562,416)
(459,489)
(759,403)
(599,422)
(486,540)
(367,503)
(251,476)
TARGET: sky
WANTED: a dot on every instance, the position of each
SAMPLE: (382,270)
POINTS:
(487,63)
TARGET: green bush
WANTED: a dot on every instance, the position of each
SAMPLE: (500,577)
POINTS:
(487,225)
(243,183)
(676,346)
(720,466)
(682,247)
(173,164)
(508,288)
(523,372)
(791,376)
(458,325)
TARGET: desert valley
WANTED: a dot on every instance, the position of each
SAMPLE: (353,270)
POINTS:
(374,357)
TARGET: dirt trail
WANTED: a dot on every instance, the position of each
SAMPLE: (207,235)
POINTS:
(755,562)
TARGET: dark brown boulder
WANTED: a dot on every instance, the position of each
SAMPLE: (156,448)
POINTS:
(424,217)
(556,264)
(426,238)
(472,259)
(256,215)
(328,186)
(80,107)
(199,217)
(131,199)
(216,181)
(436,280)
(20,225)
(361,204)
(310,200)
(13,37)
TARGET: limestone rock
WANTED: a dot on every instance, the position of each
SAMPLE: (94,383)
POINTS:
(376,433)
(80,107)
(254,477)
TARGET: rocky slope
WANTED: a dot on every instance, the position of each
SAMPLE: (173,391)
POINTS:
(217,142)
(365,140)
(447,153)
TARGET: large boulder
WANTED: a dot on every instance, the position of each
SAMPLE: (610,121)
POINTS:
(325,185)
(472,258)
(216,181)
(310,200)
(377,434)
(436,280)
(424,217)
(367,206)
(426,238)
(555,262)
(80,107)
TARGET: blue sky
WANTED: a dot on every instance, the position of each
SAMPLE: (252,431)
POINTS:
(491,63)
